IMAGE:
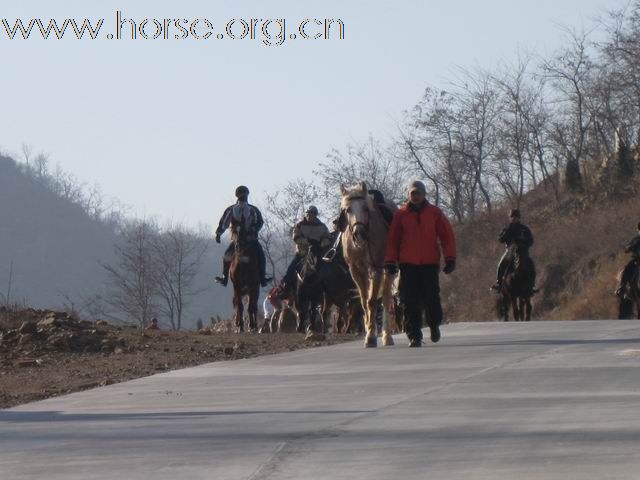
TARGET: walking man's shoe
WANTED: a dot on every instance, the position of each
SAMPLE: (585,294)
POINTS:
(435,334)
(415,343)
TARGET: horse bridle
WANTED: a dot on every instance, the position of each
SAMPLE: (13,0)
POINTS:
(352,226)
(365,226)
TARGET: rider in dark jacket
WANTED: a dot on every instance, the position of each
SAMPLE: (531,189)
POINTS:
(633,247)
(240,211)
(516,233)
(307,232)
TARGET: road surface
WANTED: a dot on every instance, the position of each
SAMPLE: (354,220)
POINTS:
(541,400)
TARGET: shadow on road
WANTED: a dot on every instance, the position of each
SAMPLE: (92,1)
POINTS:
(56,416)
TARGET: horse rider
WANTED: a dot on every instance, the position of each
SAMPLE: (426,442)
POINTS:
(309,231)
(241,211)
(514,234)
(419,233)
(340,223)
(633,247)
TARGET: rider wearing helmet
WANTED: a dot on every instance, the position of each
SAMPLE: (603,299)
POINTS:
(309,231)
(633,247)
(241,211)
(515,233)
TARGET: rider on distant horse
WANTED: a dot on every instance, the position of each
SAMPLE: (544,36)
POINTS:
(514,234)
(309,230)
(633,247)
(252,217)
(340,223)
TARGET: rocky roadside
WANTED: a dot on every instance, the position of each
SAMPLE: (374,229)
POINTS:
(50,353)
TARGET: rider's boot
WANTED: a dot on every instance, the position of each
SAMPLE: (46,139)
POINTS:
(224,279)
(496,286)
(620,291)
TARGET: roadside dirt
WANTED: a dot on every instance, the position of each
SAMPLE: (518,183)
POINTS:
(44,354)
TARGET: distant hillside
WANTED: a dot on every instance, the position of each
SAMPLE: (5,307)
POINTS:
(578,254)
(55,247)
(53,244)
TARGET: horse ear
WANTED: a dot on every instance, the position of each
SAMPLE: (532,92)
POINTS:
(364,188)
(343,190)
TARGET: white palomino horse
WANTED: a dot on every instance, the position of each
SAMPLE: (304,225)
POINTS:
(364,242)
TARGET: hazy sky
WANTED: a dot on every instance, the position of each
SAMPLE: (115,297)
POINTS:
(170,127)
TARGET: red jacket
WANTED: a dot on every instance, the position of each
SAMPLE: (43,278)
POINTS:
(414,236)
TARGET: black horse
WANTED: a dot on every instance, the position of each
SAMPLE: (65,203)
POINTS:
(630,298)
(321,285)
(517,286)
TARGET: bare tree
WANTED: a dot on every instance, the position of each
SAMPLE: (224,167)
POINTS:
(133,277)
(26,153)
(570,73)
(369,162)
(177,255)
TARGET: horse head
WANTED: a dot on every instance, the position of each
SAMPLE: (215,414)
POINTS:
(356,205)
(311,261)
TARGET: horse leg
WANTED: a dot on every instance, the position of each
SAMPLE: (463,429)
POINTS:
(506,304)
(237,302)
(368,307)
(528,307)
(514,306)
(253,310)
(372,310)
(388,309)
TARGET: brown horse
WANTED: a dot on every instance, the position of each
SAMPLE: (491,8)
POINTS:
(363,244)
(245,276)
(516,289)
(630,298)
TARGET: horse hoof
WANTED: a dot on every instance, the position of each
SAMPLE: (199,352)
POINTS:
(371,342)
(387,341)
(314,337)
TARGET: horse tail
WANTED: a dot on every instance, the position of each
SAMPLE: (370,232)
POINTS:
(625,309)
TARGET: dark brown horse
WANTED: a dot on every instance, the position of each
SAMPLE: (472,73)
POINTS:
(309,294)
(517,286)
(245,276)
(630,298)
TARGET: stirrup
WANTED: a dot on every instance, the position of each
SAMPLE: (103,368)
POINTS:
(330,255)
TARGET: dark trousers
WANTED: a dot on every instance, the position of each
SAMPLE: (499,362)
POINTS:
(420,292)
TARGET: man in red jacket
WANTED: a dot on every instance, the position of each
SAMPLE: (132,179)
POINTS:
(418,233)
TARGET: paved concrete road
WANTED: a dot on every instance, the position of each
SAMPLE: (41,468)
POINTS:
(491,401)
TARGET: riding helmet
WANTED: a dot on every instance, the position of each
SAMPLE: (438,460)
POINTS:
(242,190)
